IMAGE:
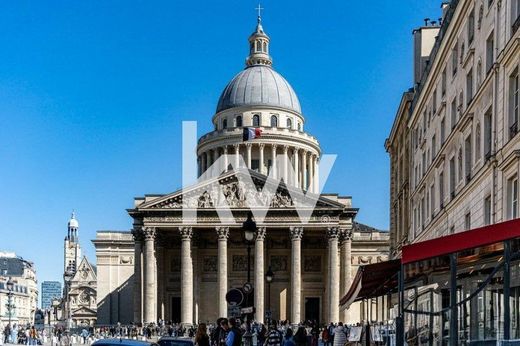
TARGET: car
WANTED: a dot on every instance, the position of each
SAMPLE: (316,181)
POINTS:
(175,341)
(122,342)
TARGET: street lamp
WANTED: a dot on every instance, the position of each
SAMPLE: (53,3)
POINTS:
(10,306)
(249,228)
(55,305)
(269,276)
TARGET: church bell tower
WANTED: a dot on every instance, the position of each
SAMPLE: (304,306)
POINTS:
(72,250)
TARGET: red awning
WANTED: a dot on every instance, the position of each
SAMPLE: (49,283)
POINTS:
(372,280)
(461,241)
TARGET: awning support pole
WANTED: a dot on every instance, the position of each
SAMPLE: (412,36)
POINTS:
(507,289)
(399,321)
(430,334)
(454,333)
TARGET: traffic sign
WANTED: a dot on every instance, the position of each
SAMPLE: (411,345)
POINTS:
(235,296)
(248,288)
(248,310)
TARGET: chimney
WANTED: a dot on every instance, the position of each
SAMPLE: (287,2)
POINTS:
(423,39)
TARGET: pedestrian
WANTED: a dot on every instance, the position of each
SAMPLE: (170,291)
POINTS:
(300,338)
(65,339)
(288,339)
(274,337)
(234,335)
(202,338)
(340,336)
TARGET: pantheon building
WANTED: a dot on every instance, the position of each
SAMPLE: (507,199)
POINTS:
(179,266)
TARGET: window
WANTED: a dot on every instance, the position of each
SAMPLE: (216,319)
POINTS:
(443,82)
(490,52)
(488,121)
(477,142)
(443,131)
(299,126)
(459,159)
(469,87)
(471,26)
(434,145)
(224,124)
(289,123)
(441,189)
(467,221)
(454,60)
(265,47)
(274,121)
(515,16)
(239,121)
(432,199)
(435,101)
(514,103)
(256,120)
(467,158)
(452,177)
(258,46)
(512,198)
(453,113)
(487,211)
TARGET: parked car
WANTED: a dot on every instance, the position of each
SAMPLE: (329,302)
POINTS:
(122,342)
(175,341)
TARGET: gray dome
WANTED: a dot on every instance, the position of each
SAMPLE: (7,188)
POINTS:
(259,85)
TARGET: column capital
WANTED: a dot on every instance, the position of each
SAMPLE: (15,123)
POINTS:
(225,148)
(222,233)
(274,146)
(137,234)
(296,150)
(333,233)
(285,148)
(261,145)
(149,233)
(248,145)
(260,233)
(296,233)
(186,232)
(236,146)
(345,234)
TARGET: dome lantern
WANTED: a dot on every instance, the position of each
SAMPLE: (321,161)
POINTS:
(259,45)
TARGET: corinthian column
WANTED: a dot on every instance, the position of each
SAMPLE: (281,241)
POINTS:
(150,289)
(304,171)
(186,276)
(285,164)
(248,149)
(222,276)
(237,156)
(274,166)
(296,234)
(226,163)
(346,265)
(138,302)
(334,276)
(259,273)
(296,167)
(261,161)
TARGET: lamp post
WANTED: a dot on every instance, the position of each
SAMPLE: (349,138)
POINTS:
(249,228)
(55,305)
(10,306)
(269,276)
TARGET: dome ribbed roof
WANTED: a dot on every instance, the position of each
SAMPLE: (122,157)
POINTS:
(259,85)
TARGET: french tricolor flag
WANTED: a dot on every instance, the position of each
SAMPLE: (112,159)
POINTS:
(250,133)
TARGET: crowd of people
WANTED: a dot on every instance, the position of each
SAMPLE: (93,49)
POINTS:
(224,332)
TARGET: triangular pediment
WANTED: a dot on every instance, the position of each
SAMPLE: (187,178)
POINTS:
(83,311)
(85,272)
(236,189)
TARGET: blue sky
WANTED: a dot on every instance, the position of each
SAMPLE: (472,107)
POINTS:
(93,95)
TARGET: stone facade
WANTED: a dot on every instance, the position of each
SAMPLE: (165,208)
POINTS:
(25,291)
(462,127)
(188,246)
